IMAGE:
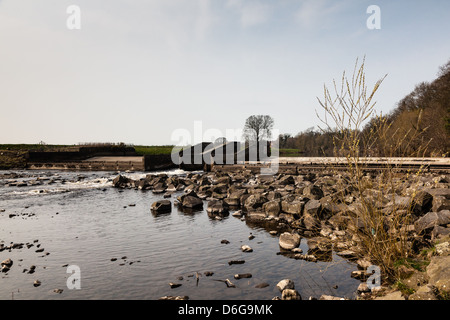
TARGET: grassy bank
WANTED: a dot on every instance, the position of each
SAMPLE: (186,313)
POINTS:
(12,160)
(153,150)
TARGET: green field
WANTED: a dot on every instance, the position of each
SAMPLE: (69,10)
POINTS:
(153,150)
(35,147)
(290,153)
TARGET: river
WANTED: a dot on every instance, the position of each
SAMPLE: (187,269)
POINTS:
(101,242)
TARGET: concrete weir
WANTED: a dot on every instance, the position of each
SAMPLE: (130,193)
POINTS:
(108,163)
(295,165)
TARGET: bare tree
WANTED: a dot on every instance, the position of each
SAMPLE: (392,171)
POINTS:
(257,128)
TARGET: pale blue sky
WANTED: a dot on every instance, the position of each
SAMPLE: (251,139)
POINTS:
(137,71)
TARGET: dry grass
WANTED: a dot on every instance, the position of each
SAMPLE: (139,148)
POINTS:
(382,211)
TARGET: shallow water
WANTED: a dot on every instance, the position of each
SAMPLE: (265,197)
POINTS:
(80,219)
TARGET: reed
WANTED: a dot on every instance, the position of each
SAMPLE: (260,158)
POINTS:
(384,206)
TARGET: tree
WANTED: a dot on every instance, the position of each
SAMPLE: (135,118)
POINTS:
(257,128)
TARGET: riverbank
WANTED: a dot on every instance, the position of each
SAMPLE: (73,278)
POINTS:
(312,206)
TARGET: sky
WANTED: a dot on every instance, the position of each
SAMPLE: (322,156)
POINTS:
(149,72)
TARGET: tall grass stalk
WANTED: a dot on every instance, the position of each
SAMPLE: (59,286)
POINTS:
(381,212)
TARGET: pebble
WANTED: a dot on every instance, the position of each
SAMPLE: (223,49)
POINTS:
(36,283)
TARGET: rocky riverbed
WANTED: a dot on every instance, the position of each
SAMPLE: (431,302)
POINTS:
(325,209)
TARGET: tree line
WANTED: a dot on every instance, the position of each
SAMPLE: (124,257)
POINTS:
(419,125)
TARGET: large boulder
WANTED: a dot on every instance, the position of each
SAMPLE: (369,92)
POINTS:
(290,294)
(311,223)
(217,207)
(121,181)
(313,207)
(289,241)
(313,192)
(254,201)
(438,272)
(292,207)
(192,202)
(162,206)
(432,219)
(441,199)
(234,198)
(272,208)
(285,180)
(285,284)
(422,203)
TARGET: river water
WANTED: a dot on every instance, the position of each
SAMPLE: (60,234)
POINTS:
(100,242)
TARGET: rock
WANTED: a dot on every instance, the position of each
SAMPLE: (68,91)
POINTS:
(290,294)
(285,284)
(262,285)
(121,181)
(159,188)
(306,257)
(443,248)
(234,198)
(59,291)
(208,273)
(363,288)
(236,262)
(217,207)
(311,223)
(36,283)
(32,269)
(285,180)
(313,192)
(313,207)
(292,207)
(162,206)
(328,297)
(423,293)
(438,272)
(192,202)
(255,216)
(396,295)
(348,254)
(242,275)
(246,248)
(363,264)
(174,298)
(143,185)
(439,232)
(237,213)
(431,219)
(422,203)
(319,244)
(254,201)
(360,274)
(225,241)
(289,241)
(272,208)
(7,262)
(174,285)
(441,199)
